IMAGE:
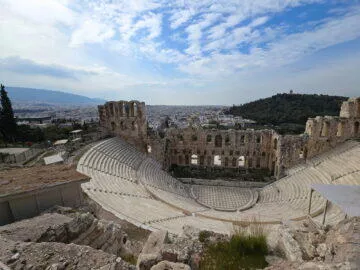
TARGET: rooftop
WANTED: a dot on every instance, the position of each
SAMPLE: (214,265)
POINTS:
(17,180)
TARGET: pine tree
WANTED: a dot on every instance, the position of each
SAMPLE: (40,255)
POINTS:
(7,119)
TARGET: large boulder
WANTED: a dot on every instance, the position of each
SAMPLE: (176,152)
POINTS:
(151,252)
(280,241)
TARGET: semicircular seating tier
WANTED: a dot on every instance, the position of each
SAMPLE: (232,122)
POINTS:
(132,186)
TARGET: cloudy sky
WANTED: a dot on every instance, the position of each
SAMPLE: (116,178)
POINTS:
(182,52)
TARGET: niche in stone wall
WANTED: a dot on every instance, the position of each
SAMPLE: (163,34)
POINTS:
(227,140)
(194,159)
(180,159)
(208,138)
(356,128)
(275,143)
(226,163)
(113,126)
(241,161)
(218,141)
(325,129)
(208,160)
(217,160)
(340,129)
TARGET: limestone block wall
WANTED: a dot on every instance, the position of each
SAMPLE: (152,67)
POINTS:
(29,204)
(226,148)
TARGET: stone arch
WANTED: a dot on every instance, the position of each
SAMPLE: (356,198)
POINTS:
(202,160)
(127,109)
(258,162)
(226,163)
(122,125)
(180,160)
(113,126)
(208,138)
(227,140)
(217,160)
(356,128)
(208,160)
(233,162)
(258,138)
(241,161)
(218,141)
(187,160)
(194,159)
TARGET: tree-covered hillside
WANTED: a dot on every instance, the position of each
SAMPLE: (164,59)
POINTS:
(288,108)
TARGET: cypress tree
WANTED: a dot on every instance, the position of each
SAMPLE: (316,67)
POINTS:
(7,119)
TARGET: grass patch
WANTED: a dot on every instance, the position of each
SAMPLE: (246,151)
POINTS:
(204,236)
(130,258)
(243,251)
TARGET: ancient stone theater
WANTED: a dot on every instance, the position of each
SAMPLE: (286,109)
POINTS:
(275,173)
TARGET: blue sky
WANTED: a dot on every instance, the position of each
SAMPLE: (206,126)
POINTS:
(182,52)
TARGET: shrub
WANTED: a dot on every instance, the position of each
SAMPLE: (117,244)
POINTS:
(241,252)
(204,236)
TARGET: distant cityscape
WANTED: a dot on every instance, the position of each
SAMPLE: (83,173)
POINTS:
(176,116)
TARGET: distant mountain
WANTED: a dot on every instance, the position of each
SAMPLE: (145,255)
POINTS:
(48,97)
(288,108)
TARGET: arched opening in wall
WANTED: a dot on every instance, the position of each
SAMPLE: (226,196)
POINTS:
(208,160)
(227,140)
(202,159)
(250,163)
(180,160)
(127,109)
(187,160)
(133,125)
(122,125)
(258,162)
(226,162)
(275,143)
(208,138)
(258,139)
(149,148)
(241,161)
(135,109)
(194,137)
(194,159)
(218,141)
(340,129)
(325,129)
(356,128)
(113,126)
(217,160)
(233,162)
(242,139)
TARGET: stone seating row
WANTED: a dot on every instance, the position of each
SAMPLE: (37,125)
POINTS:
(150,174)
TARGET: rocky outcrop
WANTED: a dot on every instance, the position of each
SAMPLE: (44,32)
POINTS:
(311,248)
(81,229)
(51,255)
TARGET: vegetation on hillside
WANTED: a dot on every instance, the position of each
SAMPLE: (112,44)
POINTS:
(7,119)
(288,108)
(242,251)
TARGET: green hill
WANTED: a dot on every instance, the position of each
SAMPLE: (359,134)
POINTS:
(288,108)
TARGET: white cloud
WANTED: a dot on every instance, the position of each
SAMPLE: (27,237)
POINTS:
(91,31)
